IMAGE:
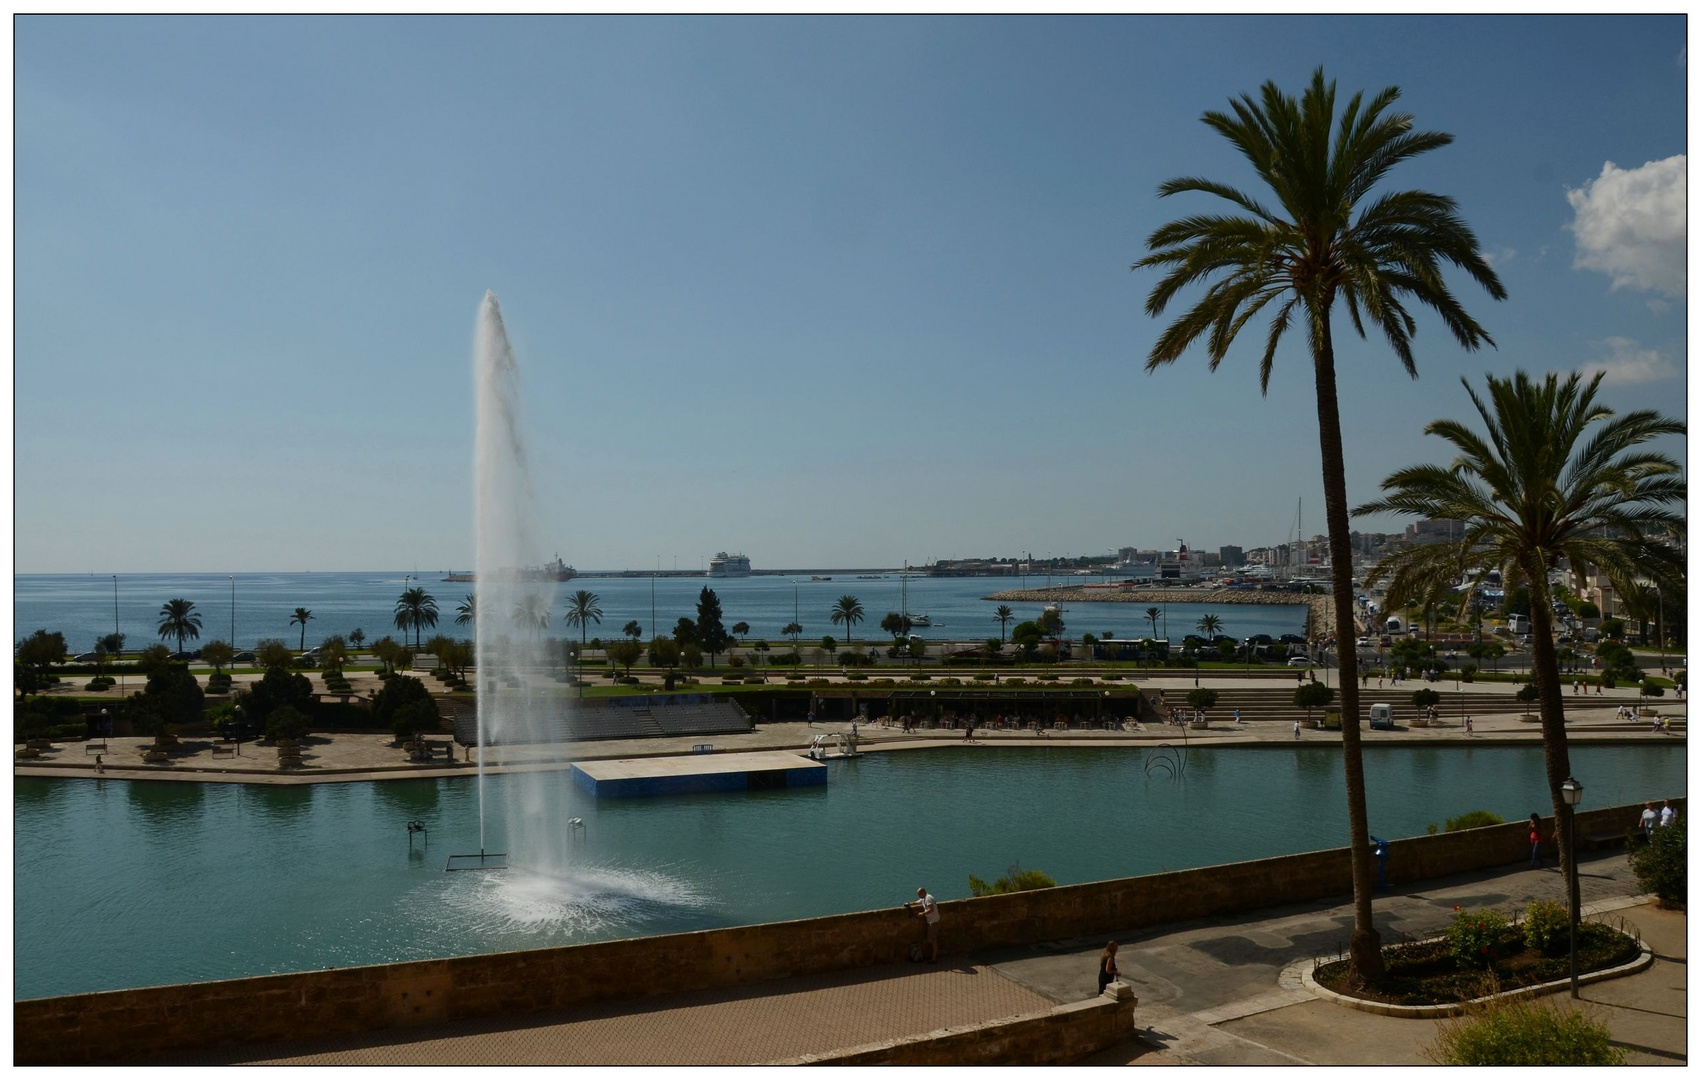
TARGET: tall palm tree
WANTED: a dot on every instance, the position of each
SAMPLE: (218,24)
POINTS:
(1325,239)
(1555,480)
(584,608)
(1152,616)
(531,611)
(793,630)
(1209,625)
(415,610)
(1002,616)
(848,610)
(300,617)
(179,619)
(466,612)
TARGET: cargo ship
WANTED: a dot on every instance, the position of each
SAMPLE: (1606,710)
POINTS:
(552,571)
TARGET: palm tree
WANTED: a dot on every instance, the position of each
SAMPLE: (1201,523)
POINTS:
(179,619)
(466,612)
(1209,625)
(301,616)
(1152,616)
(415,610)
(1554,480)
(531,611)
(848,610)
(357,637)
(633,630)
(1002,616)
(583,609)
(740,630)
(793,630)
(1326,239)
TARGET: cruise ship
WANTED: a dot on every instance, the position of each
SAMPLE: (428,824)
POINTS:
(724,565)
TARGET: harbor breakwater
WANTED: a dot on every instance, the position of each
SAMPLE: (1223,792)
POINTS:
(1320,622)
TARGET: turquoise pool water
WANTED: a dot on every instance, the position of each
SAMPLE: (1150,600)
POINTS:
(122,884)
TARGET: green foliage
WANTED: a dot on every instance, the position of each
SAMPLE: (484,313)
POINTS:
(1201,697)
(274,690)
(35,655)
(896,623)
(272,653)
(1311,695)
(1586,609)
(847,610)
(286,722)
(1547,927)
(626,652)
(1475,936)
(1612,629)
(1475,819)
(218,653)
(1528,692)
(1650,688)
(1424,697)
(1051,622)
(664,653)
(1618,663)
(712,637)
(1662,865)
(398,695)
(1017,880)
(179,619)
(1524,1032)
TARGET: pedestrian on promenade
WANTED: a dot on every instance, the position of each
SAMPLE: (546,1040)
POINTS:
(100,767)
(1107,966)
(1668,813)
(1468,730)
(927,909)
(1296,729)
(1576,687)
(1649,819)
(1237,720)
(1535,841)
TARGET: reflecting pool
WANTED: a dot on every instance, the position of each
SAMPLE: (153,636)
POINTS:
(122,884)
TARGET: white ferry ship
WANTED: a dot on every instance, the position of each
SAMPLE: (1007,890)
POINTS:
(724,565)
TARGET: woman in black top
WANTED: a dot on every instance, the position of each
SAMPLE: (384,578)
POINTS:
(1107,966)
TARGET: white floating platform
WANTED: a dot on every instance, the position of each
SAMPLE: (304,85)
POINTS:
(768,770)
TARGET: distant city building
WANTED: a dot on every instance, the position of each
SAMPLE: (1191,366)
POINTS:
(1231,555)
(1433,531)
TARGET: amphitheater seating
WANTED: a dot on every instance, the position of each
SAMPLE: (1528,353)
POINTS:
(640,721)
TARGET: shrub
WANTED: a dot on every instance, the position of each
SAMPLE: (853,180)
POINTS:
(1650,688)
(1468,672)
(735,661)
(286,722)
(856,676)
(1474,937)
(950,680)
(1524,1032)
(1017,681)
(1111,676)
(1425,697)
(1017,880)
(920,676)
(1661,865)
(984,676)
(1081,682)
(1475,819)
(1528,693)
(1202,697)
(1547,927)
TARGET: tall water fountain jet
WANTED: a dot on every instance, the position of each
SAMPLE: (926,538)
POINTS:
(514,602)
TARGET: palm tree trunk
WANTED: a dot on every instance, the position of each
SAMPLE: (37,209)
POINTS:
(1556,753)
(1365,948)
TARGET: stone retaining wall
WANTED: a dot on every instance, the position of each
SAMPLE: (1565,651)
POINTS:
(1060,1036)
(132,1025)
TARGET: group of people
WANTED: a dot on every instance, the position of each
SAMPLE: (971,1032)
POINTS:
(1652,819)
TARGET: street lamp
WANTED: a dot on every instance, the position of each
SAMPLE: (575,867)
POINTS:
(236,725)
(1572,792)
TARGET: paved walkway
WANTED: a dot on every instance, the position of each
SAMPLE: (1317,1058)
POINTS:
(1209,994)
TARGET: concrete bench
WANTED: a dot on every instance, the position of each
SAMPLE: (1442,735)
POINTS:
(1602,839)
(224,751)
(94,748)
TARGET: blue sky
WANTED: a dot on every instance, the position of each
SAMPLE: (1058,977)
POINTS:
(833,292)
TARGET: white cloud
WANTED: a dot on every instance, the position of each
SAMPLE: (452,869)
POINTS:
(1631,225)
(1628,362)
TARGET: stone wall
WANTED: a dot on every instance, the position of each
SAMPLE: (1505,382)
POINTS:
(132,1025)
(1061,1036)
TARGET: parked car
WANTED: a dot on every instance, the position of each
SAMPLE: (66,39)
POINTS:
(1301,661)
(1364,643)
(246,656)
(86,658)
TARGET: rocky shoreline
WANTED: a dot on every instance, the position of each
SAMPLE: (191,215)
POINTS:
(1319,623)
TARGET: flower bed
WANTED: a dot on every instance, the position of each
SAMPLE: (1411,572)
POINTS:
(1484,954)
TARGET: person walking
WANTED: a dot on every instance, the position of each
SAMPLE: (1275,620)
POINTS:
(1107,965)
(1535,842)
(1649,820)
(1668,813)
(1296,729)
(927,909)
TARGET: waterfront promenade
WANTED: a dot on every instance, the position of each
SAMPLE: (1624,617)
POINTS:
(360,756)
(1211,992)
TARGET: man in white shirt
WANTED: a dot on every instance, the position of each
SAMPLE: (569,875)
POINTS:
(1668,813)
(927,909)
(1648,819)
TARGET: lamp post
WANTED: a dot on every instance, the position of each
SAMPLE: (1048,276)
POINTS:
(1572,791)
(236,726)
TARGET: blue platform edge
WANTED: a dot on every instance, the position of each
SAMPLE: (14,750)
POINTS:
(637,787)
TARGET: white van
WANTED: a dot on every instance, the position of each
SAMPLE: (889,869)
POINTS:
(1382,716)
(1396,626)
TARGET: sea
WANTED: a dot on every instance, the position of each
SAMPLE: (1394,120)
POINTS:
(245,608)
